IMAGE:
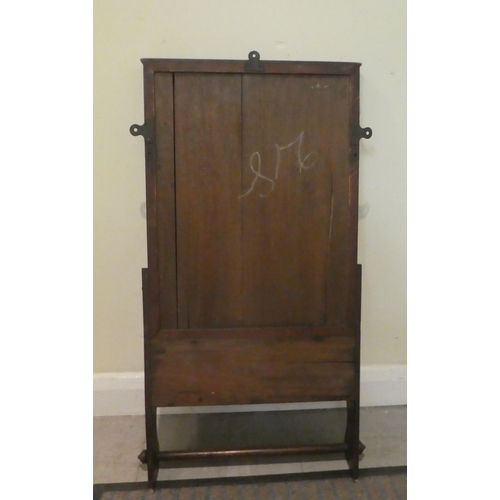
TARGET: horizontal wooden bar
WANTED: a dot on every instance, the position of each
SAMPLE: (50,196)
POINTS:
(251,452)
(238,66)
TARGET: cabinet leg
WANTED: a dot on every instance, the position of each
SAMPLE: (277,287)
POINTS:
(152,446)
(352,438)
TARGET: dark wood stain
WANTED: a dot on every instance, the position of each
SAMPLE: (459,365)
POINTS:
(208,148)
(294,224)
(238,366)
(165,196)
(253,291)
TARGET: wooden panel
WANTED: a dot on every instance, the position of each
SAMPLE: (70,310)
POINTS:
(208,159)
(152,304)
(165,196)
(294,198)
(242,366)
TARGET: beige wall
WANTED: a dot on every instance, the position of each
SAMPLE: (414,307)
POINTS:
(366,31)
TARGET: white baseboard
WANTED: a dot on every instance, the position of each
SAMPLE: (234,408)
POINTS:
(123,394)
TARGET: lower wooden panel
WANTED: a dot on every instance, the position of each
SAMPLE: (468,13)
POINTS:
(252,365)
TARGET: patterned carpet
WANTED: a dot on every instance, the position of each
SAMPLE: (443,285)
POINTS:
(373,484)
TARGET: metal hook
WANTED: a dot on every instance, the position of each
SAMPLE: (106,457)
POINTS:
(253,63)
(145,130)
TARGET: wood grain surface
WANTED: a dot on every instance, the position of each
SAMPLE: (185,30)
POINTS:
(241,366)
(252,292)
(208,158)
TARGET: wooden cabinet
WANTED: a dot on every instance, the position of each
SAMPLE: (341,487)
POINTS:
(252,291)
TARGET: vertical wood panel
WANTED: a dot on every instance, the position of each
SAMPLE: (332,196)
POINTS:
(153,305)
(165,178)
(208,159)
(353,197)
(294,197)
(340,274)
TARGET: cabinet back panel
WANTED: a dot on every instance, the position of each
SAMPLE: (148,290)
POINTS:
(259,187)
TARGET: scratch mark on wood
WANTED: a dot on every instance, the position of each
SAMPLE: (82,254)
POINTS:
(331,219)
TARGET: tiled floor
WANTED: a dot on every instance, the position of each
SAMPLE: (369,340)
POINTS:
(118,441)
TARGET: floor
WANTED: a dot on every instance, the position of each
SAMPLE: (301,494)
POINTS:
(118,441)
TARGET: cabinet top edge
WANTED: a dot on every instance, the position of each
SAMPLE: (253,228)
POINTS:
(239,66)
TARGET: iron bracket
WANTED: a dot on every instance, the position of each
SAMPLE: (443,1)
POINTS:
(253,63)
(359,133)
(145,130)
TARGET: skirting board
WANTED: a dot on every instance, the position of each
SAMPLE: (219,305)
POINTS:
(123,394)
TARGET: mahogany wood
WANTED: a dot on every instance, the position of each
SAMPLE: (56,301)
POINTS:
(166,199)
(208,156)
(150,413)
(293,222)
(250,452)
(252,292)
(236,66)
(203,367)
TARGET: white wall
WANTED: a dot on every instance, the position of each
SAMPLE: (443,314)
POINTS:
(373,33)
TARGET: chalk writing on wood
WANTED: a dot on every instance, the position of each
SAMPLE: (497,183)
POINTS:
(303,162)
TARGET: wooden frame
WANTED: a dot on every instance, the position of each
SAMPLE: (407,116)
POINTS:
(252,292)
